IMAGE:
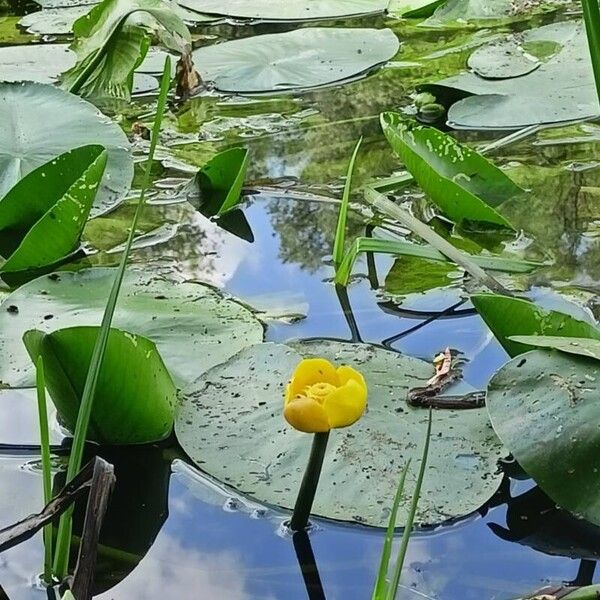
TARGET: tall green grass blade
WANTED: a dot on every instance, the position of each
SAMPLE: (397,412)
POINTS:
(591,16)
(402,248)
(340,232)
(381,584)
(46,465)
(61,558)
(393,587)
(386,206)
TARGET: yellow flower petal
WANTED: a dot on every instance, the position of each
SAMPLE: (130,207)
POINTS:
(346,373)
(309,372)
(306,415)
(346,404)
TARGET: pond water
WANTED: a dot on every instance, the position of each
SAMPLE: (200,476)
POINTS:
(172,532)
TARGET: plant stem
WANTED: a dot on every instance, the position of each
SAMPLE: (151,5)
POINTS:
(310,481)
(591,16)
(46,464)
(63,542)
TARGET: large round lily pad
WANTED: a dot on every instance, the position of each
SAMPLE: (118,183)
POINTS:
(41,63)
(53,21)
(40,122)
(284,10)
(230,423)
(193,326)
(300,59)
(561,89)
(544,406)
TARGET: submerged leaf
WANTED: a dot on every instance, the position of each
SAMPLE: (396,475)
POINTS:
(461,182)
(414,9)
(31,115)
(544,407)
(266,459)
(43,216)
(193,326)
(299,59)
(508,317)
(135,395)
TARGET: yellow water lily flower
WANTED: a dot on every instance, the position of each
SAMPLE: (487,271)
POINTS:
(320,397)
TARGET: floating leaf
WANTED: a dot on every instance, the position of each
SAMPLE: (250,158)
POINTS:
(299,59)
(464,184)
(42,63)
(265,458)
(579,346)
(522,101)
(284,10)
(54,21)
(135,395)
(219,182)
(544,407)
(43,216)
(193,326)
(31,115)
(508,317)
(502,60)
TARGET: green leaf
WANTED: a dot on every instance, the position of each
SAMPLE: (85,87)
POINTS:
(284,10)
(43,216)
(544,407)
(579,346)
(517,102)
(266,458)
(299,59)
(193,326)
(402,248)
(508,317)
(220,182)
(110,42)
(135,395)
(461,182)
(32,113)
(414,9)
(410,275)
(340,231)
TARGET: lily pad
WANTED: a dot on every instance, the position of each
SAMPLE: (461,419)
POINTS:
(300,59)
(193,326)
(461,182)
(135,395)
(42,63)
(579,346)
(544,407)
(31,115)
(521,101)
(284,10)
(53,21)
(503,60)
(508,317)
(265,459)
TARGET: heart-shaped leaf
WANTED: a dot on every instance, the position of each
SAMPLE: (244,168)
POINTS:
(508,317)
(135,395)
(264,458)
(544,407)
(42,217)
(461,182)
(31,115)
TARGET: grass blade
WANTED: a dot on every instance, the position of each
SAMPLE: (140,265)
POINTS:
(393,588)
(381,584)
(591,16)
(340,232)
(425,232)
(403,248)
(46,465)
(63,541)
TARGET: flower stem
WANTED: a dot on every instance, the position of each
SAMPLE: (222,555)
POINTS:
(310,481)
